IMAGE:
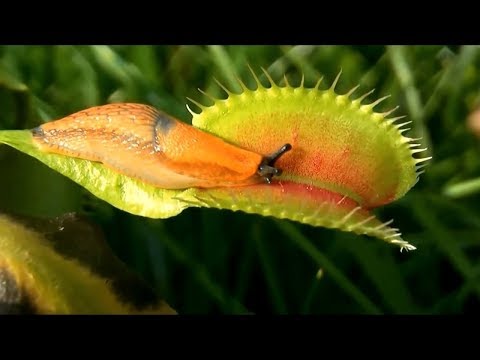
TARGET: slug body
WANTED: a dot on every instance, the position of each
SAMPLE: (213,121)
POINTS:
(141,142)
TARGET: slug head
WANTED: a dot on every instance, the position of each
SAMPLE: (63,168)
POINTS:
(267,168)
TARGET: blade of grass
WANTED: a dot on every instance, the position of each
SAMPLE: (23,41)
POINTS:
(446,242)
(469,286)
(155,258)
(385,275)
(245,270)
(200,273)
(213,250)
(371,76)
(449,80)
(467,239)
(312,293)
(398,59)
(343,282)
(462,189)
(144,58)
(456,297)
(226,66)
(113,64)
(468,215)
(273,283)
(295,55)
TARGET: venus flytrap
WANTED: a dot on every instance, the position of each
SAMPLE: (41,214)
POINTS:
(346,159)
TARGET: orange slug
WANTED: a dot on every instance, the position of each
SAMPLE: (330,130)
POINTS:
(141,142)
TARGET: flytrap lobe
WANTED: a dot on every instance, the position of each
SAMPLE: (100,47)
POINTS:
(297,153)
(345,160)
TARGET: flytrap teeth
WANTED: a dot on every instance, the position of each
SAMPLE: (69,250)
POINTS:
(201,106)
(211,97)
(361,98)
(190,110)
(414,151)
(378,101)
(392,120)
(335,82)
(398,126)
(417,161)
(392,132)
(348,94)
(389,112)
(319,81)
(269,78)
(223,87)
(421,166)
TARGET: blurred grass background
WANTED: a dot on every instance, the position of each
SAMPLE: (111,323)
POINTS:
(211,261)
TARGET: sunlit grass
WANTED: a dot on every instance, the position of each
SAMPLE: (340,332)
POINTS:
(210,261)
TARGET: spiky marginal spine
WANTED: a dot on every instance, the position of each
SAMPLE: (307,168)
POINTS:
(389,122)
(382,231)
(321,216)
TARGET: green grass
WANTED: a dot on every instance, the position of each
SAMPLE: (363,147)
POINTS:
(212,261)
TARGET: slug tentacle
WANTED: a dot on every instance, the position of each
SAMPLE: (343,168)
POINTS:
(267,167)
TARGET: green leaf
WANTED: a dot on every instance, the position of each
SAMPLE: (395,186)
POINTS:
(63,266)
(10,81)
(121,191)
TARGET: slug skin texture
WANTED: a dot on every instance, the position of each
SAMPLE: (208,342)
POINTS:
(141,142)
